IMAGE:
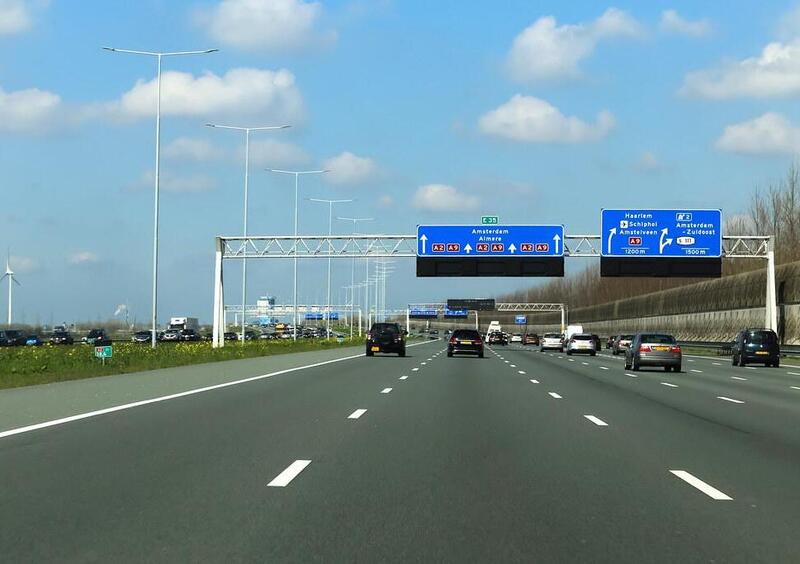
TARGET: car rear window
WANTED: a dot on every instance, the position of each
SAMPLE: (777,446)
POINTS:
(658,339)
(385,328)
(582,337)
(466,334)
(761,338)
(552,336)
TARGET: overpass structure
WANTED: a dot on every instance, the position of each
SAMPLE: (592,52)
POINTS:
(504,307)
(405,246)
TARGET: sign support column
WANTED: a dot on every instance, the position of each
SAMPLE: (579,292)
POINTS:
(218,335)
(770,305)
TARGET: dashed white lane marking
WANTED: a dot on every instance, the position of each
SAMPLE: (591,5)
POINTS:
(414,369)
(668,384)
(554,395)
(512,365)
(795,387)
(710,491)
(698,371)
(738,378)
(507,362)
(423,363)
(585,363)
(794,373)
(723,398)
(631,375)
(403,377)
(430,359)
(534,381)
(689,360)
(597,421)
(357,413)
(750,367)
(559,356)
(716,364)
(571,359)
(386,390)
(521,371)
(282,480)
(604,368)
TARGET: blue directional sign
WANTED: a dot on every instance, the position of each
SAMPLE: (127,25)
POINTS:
(456,313)
(333,316)
(313,315)
(423,312)
(661,233)
(487,241)
(521,319)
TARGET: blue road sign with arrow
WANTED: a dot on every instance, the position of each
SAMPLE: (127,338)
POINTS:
(661,233)
(486,241)
(521,319)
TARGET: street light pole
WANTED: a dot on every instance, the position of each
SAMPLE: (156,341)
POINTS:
(247,131)
(158,57)
(330,248)
(354,221)
(296,174)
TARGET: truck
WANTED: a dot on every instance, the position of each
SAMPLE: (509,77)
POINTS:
(494,326)
(181,323)
(572,330)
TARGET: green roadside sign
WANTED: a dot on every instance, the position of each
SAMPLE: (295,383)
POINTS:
(103,352)
(490,220)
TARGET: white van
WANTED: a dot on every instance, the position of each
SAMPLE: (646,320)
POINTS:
(572,330)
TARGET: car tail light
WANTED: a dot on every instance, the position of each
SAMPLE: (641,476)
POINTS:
(644,348)
(675,349)
(452,340)
(478,342)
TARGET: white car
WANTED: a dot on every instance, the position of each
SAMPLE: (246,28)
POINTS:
(516,338)
(551,342)
(581,343)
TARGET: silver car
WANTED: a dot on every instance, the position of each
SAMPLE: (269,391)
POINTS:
(653,349)
(581,343)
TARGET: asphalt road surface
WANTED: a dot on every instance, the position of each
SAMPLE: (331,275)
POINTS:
(519,457)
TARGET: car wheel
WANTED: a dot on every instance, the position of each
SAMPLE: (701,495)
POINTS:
(569,353)
(593,353)
(450,353)
(667,368)
(742,361)
(480,354)
(734,361)
(676,368)
(370,353)
(615,353)
(635,365)
(627,364)
(776,364)
(402,352)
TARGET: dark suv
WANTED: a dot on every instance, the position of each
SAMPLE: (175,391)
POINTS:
(756,345)
(12,338)
(465,341)
(386,338)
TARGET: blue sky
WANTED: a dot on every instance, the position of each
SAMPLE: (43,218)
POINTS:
(426,112)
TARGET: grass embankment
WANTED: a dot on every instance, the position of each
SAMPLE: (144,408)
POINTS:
(27,366)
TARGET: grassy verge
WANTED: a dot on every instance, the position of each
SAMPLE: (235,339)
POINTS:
(27,366)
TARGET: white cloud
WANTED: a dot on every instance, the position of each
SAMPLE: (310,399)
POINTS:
(266,25)
(546,50)
(192,149)
(30,111)
(672,22)
(170,182)
(768,134)
(386,201)
(441,197)
(265,94)
(82,257)
(270,153)
(348,168)
(529,119)
(15,17)
(23,265)
(774,73)
(648,162)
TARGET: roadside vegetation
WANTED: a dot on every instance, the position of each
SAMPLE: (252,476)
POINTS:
(26,366)
(773,210)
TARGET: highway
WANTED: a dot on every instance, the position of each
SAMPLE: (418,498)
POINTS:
(518,457)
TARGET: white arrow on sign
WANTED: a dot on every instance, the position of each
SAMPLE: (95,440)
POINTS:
(611,233)
(556,239)
(512,248)
(423,238)
(662,242)
(467,248)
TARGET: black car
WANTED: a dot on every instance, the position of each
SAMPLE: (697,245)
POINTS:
(497,338)
(465,341)
(61,338)
(434,334)
(756,345)
(190,335)
(230,336)
(97,337)
(142,337)
(12,338)
(386,338)
(171,335)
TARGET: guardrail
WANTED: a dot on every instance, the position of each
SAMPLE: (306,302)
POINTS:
(724,349)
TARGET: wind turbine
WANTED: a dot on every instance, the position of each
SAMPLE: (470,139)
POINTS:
(11,281)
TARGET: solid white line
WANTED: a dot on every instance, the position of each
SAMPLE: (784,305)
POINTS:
(668,384)
(750,367)
(122,407)
(729,399)
(282,480)
(631,375)
(738,378)
(534,381)
(693,370)
(403,377)
(794,373)
(357,413)
(604,368)
(521,371)
(795,387)
(386,390)
(710,491)
(596,421)
(555,395)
